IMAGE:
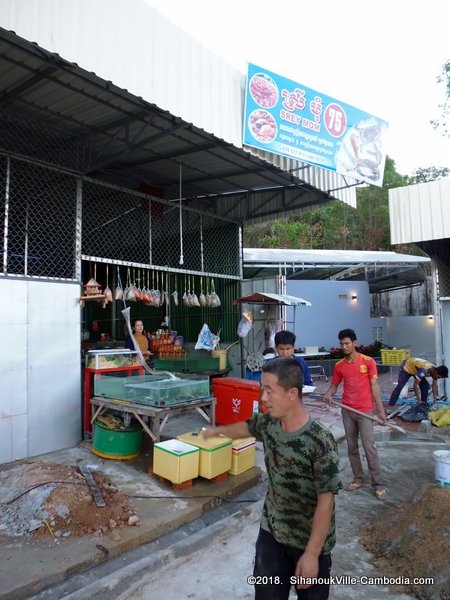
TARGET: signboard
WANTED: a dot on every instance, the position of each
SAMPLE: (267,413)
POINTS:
(287,118)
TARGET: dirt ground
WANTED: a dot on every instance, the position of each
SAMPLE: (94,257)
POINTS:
(45,500)
(412,540)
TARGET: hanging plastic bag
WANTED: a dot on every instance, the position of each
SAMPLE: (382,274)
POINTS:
(118,294)
(107,293)
(194,298)
(206,339)
(214,298)
(202,297)
(245,324)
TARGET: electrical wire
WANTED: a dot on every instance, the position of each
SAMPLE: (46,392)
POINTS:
(114,491)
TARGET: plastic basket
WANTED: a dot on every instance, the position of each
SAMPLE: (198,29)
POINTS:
(394,357)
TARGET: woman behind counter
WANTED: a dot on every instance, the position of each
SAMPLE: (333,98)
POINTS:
(142,340)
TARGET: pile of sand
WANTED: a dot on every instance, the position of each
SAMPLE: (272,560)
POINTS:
(413,540)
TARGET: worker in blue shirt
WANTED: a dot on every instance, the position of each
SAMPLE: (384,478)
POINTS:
(285,346)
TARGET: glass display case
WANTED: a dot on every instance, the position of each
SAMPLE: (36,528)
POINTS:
(112,385)
(111,359)
(120,360)
(157,390)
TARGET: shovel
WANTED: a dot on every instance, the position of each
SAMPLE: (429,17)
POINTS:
(418,435)
(371,417)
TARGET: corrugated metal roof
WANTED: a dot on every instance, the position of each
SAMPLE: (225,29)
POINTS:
(150,59)
(382,270)
(314,257)
(420,212)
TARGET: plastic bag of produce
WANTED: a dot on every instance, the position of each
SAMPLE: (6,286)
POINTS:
(206,339)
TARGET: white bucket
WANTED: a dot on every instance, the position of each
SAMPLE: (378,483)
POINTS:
(442,468)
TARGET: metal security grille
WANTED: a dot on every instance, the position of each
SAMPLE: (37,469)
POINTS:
(113,225)
(28,138)
(131,228)
(41,222)
(39,214)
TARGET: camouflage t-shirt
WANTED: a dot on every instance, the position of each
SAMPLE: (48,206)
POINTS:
(300,465)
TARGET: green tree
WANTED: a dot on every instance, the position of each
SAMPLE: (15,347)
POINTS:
(441,123)
(335,225)
(429,174)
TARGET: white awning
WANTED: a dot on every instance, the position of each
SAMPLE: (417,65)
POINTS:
(265,298)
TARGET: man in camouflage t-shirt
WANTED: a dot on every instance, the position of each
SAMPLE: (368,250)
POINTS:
(297,530)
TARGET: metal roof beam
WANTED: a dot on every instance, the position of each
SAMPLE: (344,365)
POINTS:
(170,155)
(130,146)
(26,84)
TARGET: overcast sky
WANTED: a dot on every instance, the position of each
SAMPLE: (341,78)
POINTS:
(383,57)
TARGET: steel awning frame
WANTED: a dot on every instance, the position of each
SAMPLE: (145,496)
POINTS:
(382,270)
(128,141)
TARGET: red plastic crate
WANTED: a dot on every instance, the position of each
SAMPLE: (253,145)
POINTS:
(237,399)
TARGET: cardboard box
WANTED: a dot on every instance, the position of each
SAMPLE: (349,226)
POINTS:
(176,461)
(242,455)
(215,453)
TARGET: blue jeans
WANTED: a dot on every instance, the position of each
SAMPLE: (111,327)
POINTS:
(403,378)
(274,560)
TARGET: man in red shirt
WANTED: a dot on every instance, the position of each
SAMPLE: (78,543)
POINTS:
(361,391)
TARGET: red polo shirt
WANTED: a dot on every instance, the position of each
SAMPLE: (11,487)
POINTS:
(356,376)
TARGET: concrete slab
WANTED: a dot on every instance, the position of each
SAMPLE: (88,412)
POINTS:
(29,566)
(204,562)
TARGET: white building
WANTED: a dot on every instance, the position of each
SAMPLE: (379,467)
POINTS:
(121,146)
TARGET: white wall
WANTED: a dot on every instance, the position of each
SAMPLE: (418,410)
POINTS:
(319,324)
(40,368)
(415,333)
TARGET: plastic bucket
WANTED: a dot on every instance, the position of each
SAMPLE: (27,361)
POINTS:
(442,468)
(117,444)
(222,356)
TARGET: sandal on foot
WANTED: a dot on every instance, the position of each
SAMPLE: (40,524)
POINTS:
(354,485)
(380,494)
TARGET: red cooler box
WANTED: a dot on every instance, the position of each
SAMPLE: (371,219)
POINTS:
(237,399)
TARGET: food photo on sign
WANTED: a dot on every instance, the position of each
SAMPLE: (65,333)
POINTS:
(360,154)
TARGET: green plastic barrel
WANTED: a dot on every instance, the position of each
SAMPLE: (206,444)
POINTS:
(117,444)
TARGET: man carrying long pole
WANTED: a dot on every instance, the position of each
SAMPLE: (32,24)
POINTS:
(361,392)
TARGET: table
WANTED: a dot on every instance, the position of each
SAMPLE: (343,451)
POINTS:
(315,369)
(158,417)
(89,375)
(310,354)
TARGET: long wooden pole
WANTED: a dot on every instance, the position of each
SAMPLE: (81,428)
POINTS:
(371,417)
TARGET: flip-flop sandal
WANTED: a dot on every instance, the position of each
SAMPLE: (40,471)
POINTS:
(354,485)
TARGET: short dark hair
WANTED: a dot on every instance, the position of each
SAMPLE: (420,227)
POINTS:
(285,337)
(133,322)
(442,370)
(347,333)
(288,371)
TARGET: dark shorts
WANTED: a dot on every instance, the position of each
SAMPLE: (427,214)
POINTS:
(275,565)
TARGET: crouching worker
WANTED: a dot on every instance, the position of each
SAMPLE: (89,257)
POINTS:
(297,531)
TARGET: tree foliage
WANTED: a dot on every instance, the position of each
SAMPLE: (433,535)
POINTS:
(441,123)
(429,174)
(335,225)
